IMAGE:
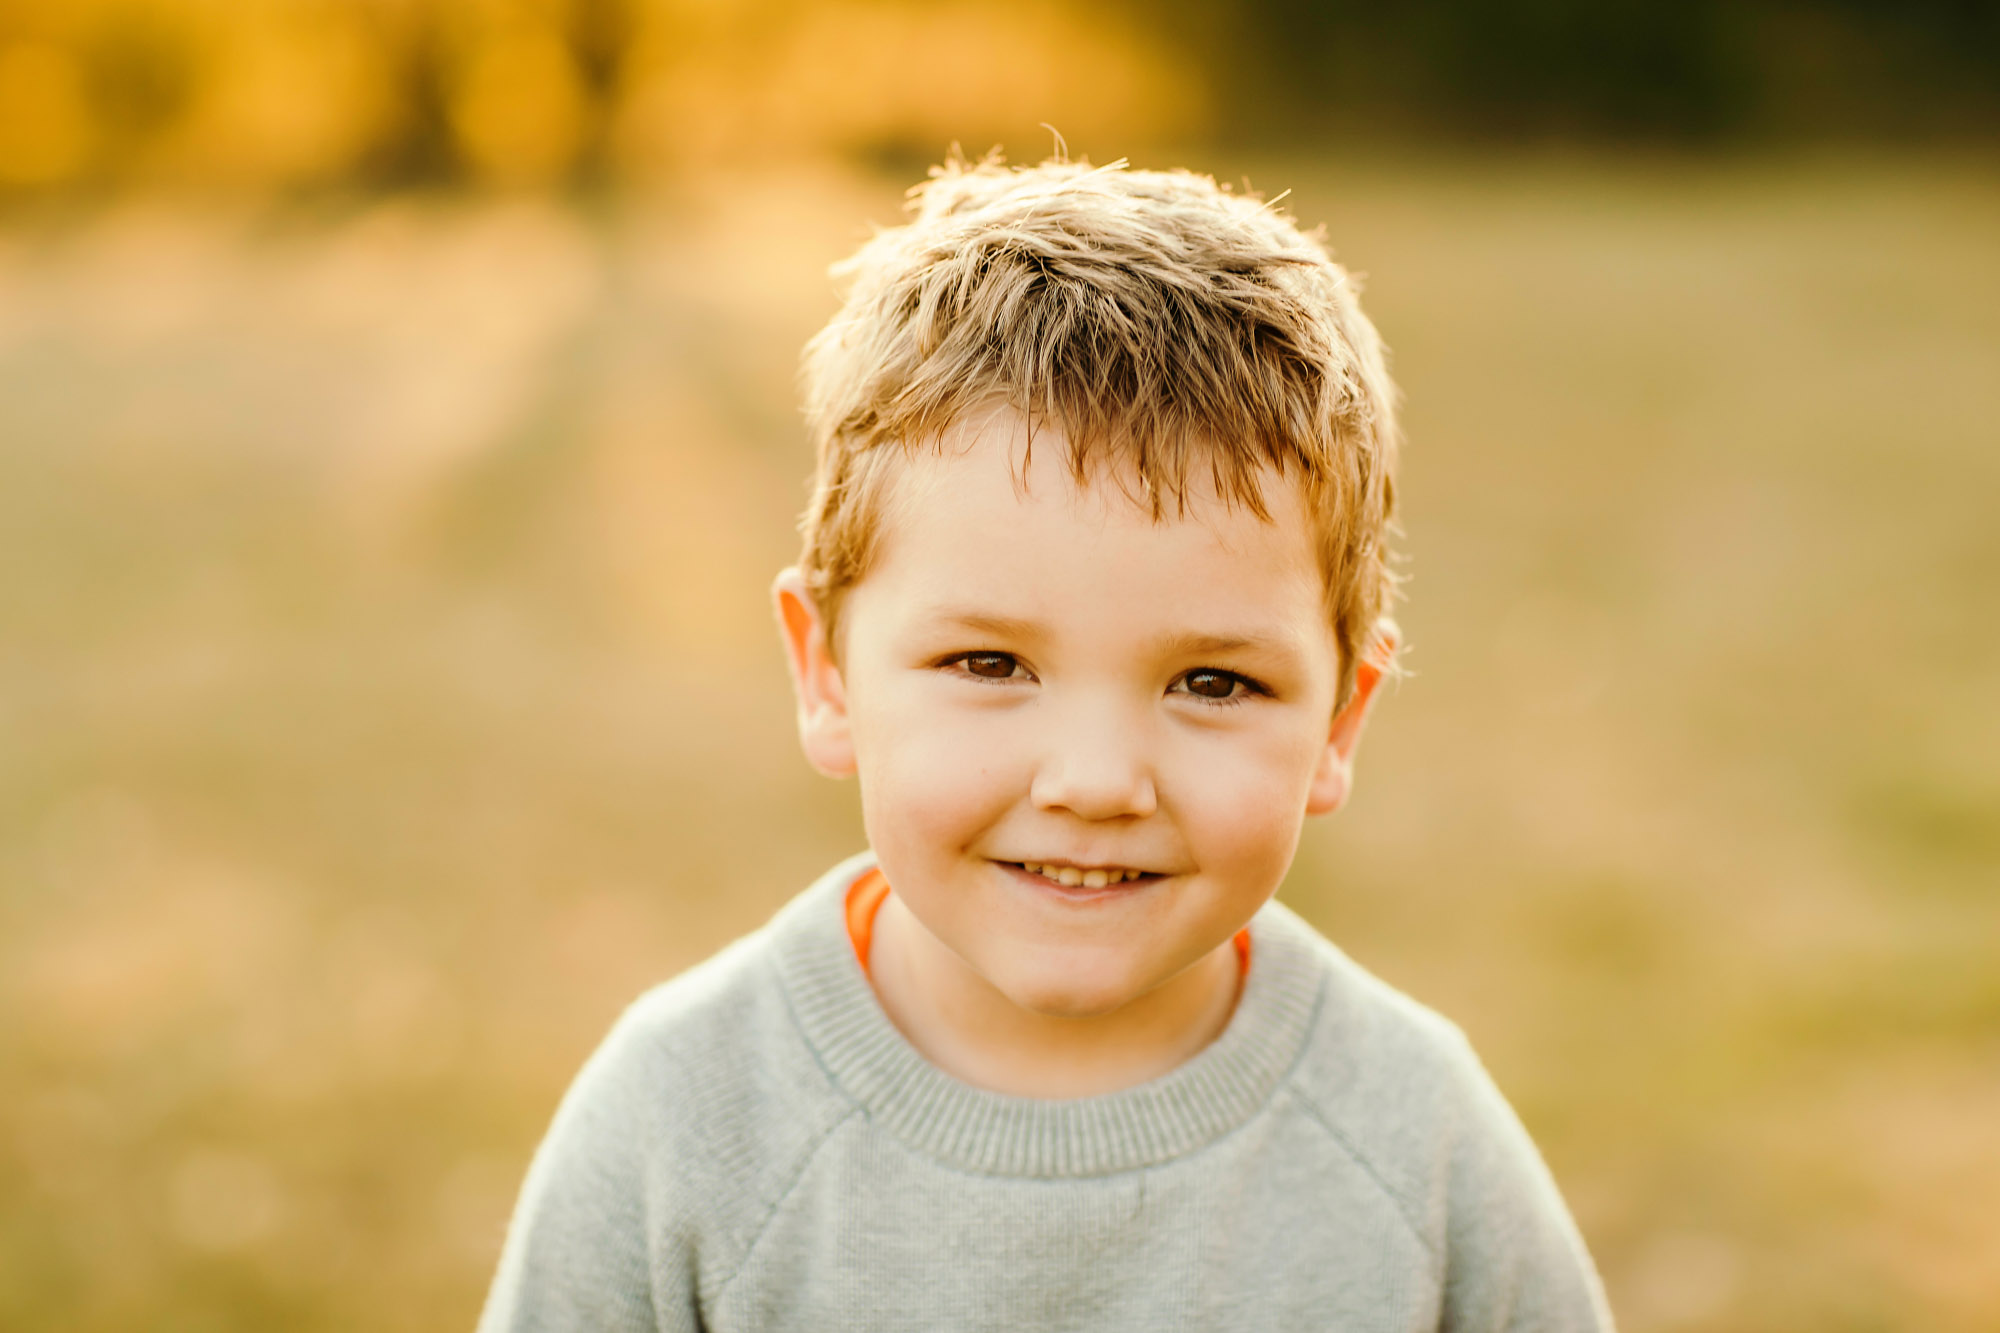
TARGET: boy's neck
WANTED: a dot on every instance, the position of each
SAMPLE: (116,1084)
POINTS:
(959,1022)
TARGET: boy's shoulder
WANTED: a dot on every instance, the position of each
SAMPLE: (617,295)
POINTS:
(697,1109)
(716,1046)
(1399,1089)
(694,1113)
(1374,1051)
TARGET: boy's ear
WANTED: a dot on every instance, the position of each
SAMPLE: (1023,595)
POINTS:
(823,729)
(1335,777)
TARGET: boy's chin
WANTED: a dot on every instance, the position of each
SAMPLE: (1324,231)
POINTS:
(1072,994)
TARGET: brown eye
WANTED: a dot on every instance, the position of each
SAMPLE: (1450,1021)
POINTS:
(1211,684)
(993,666)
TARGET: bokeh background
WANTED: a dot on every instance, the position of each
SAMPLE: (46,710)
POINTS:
(398,435)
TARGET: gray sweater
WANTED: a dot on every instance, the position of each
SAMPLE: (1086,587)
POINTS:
(755,1146)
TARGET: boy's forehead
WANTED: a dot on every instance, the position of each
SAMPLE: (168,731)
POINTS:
(991,510)
(1040,465)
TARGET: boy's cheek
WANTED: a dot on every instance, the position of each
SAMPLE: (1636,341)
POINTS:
(915,736)
(1248,783)
(1240,820)
(938,775)
(1249,839)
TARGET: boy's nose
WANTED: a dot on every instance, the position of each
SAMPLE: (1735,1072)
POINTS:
(1096,767)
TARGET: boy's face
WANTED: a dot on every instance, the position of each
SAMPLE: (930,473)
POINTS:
(1035,674)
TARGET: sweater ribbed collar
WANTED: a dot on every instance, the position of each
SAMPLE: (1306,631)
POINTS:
(966,1127)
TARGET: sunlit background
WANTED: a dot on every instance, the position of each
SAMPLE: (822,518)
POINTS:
(398,435)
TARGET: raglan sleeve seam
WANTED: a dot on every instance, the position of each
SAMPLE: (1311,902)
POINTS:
(1362,1160)
(797,1175)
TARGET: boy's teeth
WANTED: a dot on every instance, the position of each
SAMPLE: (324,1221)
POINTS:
(1071,877)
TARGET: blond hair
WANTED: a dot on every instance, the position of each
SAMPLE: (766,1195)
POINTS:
(1167,325)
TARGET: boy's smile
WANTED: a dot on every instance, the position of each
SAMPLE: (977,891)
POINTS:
(1086,742)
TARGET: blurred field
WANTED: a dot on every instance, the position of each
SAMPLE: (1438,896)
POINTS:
(386,697)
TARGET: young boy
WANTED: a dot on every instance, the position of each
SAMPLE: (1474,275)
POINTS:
(1093,603)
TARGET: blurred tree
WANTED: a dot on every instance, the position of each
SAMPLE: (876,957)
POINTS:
(556,93)
(1539,66)
(1608,69)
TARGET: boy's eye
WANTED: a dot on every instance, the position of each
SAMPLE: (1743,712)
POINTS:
(993,666)
(1213,684)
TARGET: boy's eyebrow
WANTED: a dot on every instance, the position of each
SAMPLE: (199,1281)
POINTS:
(1185,644)
(1004,627)
(1198,645)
